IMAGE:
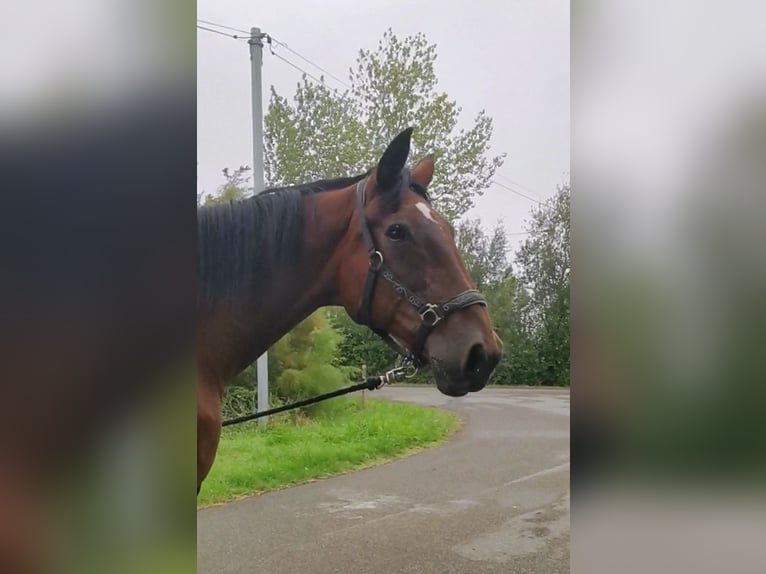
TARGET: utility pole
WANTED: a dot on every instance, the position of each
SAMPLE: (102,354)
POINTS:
(256,63)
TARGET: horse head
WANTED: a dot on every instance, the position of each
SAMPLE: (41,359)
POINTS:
(401,274)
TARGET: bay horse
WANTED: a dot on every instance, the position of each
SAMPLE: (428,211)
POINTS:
(370,243)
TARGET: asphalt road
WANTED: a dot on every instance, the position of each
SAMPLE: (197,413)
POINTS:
(495,498)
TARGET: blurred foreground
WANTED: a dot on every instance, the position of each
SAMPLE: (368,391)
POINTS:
(97,258)
(669,130)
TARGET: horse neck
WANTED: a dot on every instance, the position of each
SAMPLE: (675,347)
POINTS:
(310,283)
(292,293)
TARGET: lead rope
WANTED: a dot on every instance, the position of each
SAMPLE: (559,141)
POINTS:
(405,369)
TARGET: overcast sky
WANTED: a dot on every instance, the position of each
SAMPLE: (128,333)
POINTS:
(509,58)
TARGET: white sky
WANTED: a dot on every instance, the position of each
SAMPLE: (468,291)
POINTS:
(510,58)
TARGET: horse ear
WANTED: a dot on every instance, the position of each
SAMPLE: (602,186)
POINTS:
(423,172)
(393,160)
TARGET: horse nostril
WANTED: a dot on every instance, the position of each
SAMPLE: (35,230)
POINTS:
(477,361)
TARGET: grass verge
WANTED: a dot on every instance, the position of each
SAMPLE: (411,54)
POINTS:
(252,460)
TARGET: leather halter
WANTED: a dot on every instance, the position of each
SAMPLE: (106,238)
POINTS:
(430,313)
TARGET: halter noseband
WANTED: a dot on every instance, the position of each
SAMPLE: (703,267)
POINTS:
(430,313)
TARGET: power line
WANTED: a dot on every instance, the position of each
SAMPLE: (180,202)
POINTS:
(227,35)
(225,27)
(289,63)
(319,81)
(305,59)
(515,191)
(271,49)
(517,184)
(276,41)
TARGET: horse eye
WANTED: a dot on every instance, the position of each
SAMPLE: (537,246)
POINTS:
(396,232)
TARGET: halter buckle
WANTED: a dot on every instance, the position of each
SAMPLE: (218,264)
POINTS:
(429,315)
(376,260)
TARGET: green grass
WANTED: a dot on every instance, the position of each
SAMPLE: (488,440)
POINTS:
(252,460)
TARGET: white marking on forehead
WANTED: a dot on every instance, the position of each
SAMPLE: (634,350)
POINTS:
(426,211)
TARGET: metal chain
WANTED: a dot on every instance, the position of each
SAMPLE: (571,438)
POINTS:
(405,369)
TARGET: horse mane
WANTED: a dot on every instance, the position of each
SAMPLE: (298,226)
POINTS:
(241,243)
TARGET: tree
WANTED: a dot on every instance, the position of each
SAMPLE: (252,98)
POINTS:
(507,302)
(321,133)
(301,363)
(234,188)
(359,346)
(485,255)
(543,266)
